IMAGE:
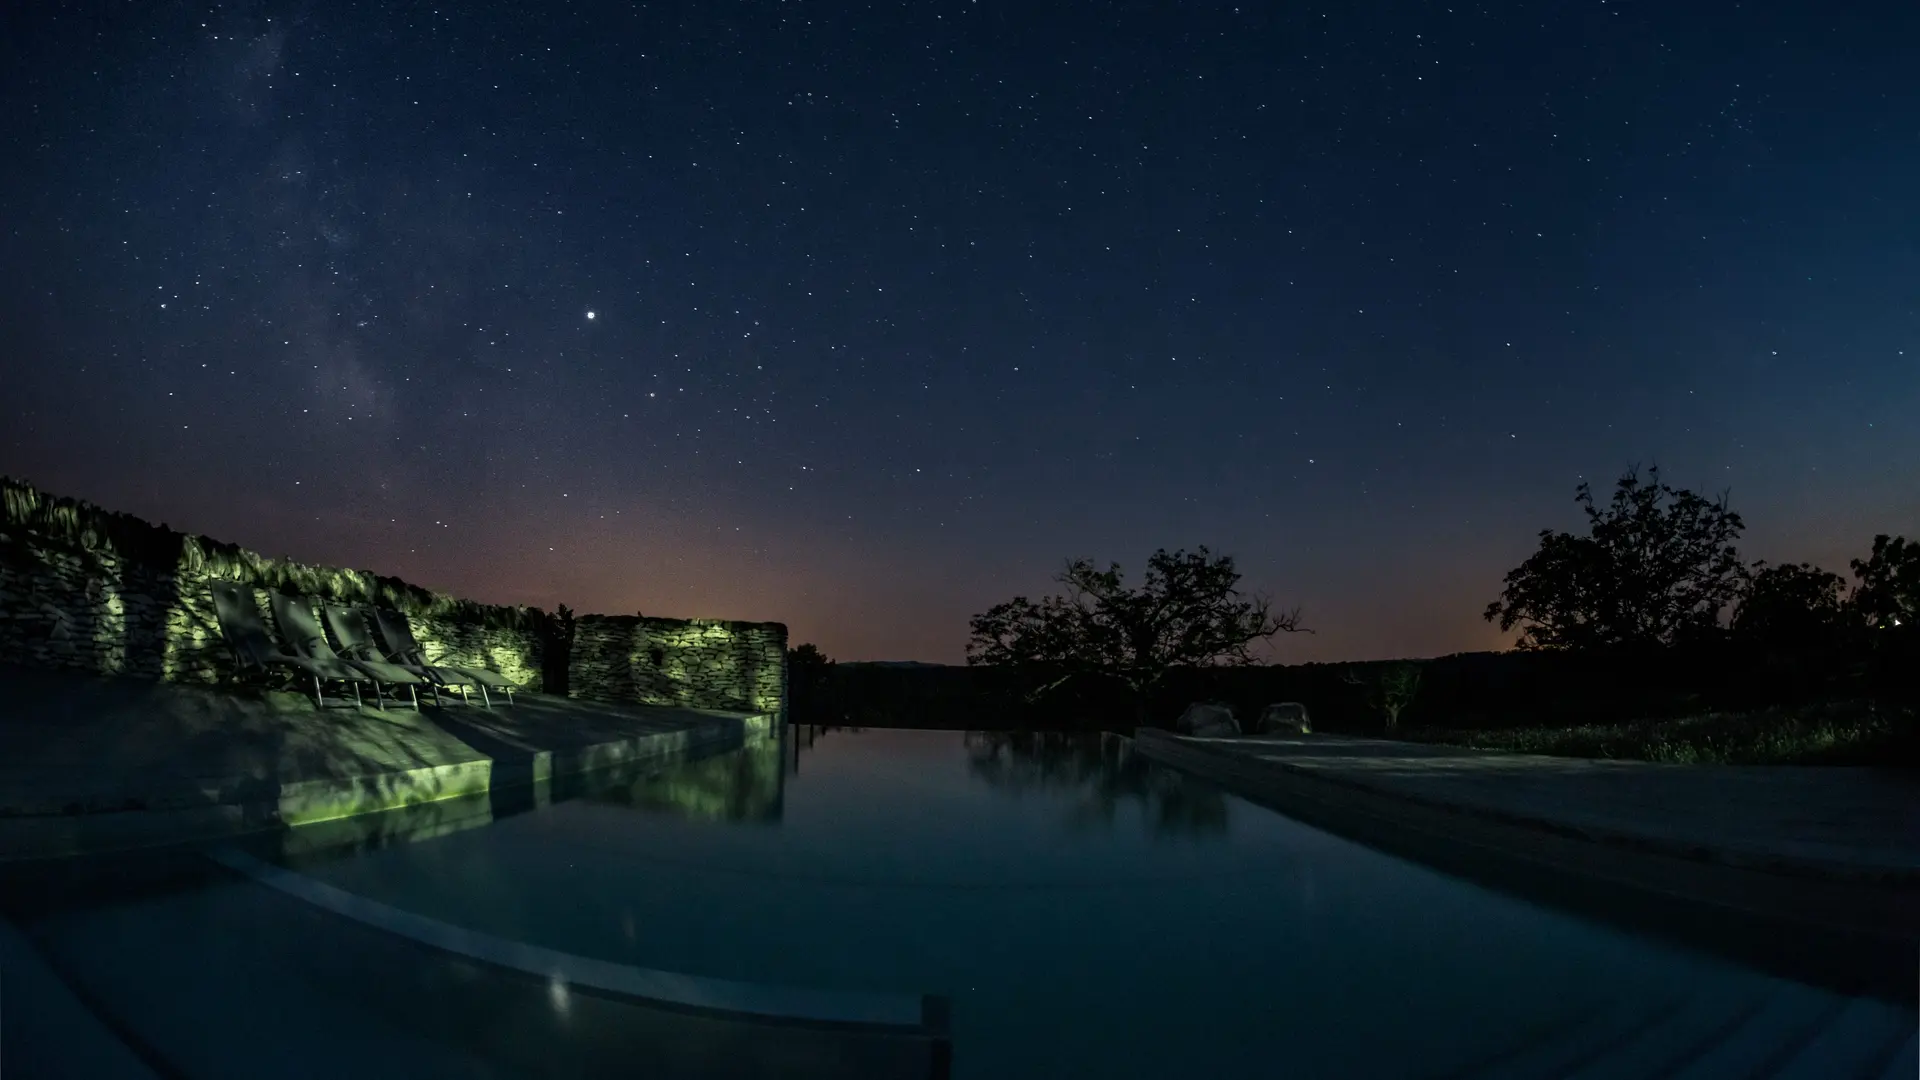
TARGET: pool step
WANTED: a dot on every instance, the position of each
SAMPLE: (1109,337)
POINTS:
(1798,1033)
(1792,1033)
(1560,1053)
(1696,1026)
(1904,1062)
(1864,1039)
(47,1030)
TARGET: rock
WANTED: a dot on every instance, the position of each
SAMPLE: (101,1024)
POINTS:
(1288,717)
(1208,719)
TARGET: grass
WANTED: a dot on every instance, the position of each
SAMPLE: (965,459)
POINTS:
(1842,733)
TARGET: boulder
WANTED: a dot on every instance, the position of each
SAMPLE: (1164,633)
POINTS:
(1284,717)
(1207,718)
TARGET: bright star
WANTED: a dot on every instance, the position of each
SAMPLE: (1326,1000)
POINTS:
(591,315)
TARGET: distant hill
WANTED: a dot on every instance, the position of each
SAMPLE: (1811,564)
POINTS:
(892,664)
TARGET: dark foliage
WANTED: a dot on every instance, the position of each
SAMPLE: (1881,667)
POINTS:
(1389,688)
(1656,568)
(1888,595)
(1187,612)
(809,672)
(557,650)
(1793,606)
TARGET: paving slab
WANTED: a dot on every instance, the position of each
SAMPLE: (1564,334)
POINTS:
(1819,821)
(1807,873)
(97,763)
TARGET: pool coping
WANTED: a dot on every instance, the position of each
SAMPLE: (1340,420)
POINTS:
(237,806)
(916,1015)
(1153,739)
(1852,934)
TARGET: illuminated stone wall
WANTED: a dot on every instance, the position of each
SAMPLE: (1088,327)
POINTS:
(77,609)
(699,663)
(86,589)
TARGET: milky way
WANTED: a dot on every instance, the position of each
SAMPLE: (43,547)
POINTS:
(865,318)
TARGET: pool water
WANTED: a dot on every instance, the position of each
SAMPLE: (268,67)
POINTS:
(1085,913)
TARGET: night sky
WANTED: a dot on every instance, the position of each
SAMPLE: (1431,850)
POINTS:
(865,317)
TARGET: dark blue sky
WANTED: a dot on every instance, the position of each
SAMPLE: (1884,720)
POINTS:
(865,317)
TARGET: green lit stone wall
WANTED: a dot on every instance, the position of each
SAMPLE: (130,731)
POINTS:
(87,589)
(698,663)
(69,607)
(93,611)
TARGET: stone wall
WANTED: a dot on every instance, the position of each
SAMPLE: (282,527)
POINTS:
(85,589)
(79,609)
(700,663)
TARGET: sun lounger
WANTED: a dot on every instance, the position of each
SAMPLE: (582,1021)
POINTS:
(294,616)
(246,635)
(349,626)
(397,636)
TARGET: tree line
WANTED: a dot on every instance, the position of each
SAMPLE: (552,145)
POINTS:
(1656,569)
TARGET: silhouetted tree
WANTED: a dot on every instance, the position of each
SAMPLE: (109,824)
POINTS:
(1888,593)
(808,671)
(1657,565)
(1887,600)
(808,656)
(1390,688)
(1187,612)
(1792,606)
(557,650)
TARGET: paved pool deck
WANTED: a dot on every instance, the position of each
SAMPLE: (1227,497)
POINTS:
(1823,822)
(1833,849)
(90,765)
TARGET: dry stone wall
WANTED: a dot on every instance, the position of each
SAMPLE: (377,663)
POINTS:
(699,663)
(90,611)
(78,609)
(83,589)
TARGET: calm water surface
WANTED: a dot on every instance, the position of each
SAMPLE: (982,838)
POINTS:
(1086,914)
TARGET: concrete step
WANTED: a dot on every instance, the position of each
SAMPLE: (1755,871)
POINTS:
(1791,1018)
(1858,1042)
(1559,1053)
(46,1030)
(1904,1062)
(1695,1026)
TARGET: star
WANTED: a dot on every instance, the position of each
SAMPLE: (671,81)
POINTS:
(592,315)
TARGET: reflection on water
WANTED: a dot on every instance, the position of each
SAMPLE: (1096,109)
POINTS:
(737,782)
(802,738)
(744,785)
(1049,883)
(1104,769)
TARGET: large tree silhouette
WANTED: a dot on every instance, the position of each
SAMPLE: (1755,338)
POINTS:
(1656,566)
(1793,606)
(1888,595)
(1187,612)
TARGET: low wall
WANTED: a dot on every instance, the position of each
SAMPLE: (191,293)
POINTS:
(90,590)
(95,611)
(698,663)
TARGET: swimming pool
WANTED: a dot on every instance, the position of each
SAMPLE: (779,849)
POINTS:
(1081,912)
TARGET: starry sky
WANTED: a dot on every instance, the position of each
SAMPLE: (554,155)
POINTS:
(864,317)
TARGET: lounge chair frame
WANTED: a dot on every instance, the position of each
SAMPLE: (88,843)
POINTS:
(302,630)
(252,648)
(396,634)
